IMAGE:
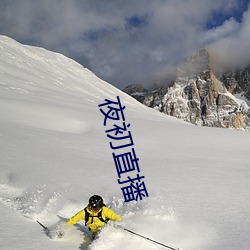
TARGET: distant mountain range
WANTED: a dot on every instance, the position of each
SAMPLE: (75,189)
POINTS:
(202,94)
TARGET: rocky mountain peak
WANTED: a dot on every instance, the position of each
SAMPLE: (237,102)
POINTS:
(200,96)
(196,64)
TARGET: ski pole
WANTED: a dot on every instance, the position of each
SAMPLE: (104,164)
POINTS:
(45,228)
(149,239)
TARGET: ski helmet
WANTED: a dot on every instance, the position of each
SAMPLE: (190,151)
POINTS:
(96,202)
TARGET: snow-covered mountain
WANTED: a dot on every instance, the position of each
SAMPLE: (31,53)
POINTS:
(201,95)
(55,153)
(237,81)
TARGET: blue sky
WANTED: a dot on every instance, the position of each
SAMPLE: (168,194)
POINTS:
(131,41)
(218,17)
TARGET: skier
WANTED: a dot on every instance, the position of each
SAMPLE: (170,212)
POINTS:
(95,214)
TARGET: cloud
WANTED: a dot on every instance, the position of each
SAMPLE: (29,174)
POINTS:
(121,41)
(228,28)
(233,49)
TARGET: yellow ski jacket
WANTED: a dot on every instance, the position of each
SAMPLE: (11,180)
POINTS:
(94,223)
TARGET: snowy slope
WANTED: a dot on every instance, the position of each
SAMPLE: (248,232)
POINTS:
(55,154)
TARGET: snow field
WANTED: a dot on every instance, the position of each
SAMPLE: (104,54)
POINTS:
(55,154)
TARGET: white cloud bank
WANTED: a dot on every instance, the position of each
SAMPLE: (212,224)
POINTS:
(130,41)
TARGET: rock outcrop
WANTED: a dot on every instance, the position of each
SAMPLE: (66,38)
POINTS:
(199,96)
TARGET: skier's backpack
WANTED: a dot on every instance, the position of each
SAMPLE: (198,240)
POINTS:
(99,215)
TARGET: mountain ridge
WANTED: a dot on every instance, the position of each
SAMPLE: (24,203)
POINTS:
(201,95)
